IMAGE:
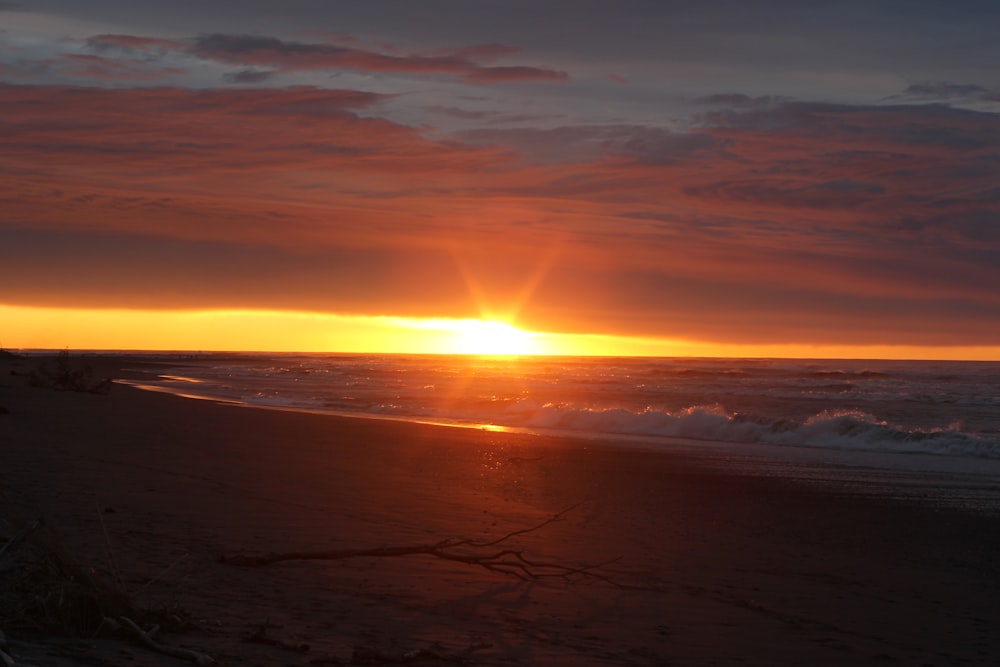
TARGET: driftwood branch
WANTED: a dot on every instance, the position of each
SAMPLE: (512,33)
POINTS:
(148,639)
(507,561)
(365,656)
(261,636)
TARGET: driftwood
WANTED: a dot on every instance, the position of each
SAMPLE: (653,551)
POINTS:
(365,656)
(260,636)
(148,639)
(508,561)
(43,589)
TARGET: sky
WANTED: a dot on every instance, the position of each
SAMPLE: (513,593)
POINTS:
(714,177)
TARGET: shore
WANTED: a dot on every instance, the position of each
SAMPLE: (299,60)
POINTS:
(692,560)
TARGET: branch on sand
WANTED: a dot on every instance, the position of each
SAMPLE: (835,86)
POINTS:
(420,656)
(148,639)
(498,558)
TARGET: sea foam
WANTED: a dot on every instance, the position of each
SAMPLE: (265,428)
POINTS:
(847,429)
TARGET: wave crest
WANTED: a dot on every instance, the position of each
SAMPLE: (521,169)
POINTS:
(841,429)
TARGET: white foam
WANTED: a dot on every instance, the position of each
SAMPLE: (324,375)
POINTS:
(849,430)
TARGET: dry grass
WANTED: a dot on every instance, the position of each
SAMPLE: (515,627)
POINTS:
(44,589)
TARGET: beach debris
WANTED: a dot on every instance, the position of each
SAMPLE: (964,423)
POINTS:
(148,639)
(65,377)
(433,655)
(260,636)
(505,560)
(45,591)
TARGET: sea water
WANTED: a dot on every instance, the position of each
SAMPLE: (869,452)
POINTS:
(946,409)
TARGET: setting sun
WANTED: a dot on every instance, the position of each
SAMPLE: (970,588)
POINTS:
(492,338)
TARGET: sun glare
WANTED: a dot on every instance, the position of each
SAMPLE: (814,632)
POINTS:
(489,337)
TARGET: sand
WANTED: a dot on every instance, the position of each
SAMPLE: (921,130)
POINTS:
(708,561)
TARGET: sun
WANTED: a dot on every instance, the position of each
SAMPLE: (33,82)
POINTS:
(490,337)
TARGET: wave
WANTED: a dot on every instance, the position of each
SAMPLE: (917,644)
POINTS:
(845,429)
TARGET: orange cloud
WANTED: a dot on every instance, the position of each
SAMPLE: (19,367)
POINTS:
(776,222)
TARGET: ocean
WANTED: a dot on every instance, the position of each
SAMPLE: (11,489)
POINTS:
(947,410)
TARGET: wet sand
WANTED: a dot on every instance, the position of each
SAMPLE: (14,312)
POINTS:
(706,561)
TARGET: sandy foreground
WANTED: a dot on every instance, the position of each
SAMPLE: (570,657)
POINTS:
(706,561)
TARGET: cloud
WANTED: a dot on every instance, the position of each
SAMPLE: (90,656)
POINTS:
(572,143)
(478,74)
(271,52)
(99,68)
(133,43)
(250,76)
(740,100)
(84,268)
(257,54)
(211,149)
(944,91)
(791,222)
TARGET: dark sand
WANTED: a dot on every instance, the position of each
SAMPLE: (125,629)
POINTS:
(729,567)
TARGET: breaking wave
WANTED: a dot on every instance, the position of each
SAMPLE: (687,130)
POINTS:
(846,429)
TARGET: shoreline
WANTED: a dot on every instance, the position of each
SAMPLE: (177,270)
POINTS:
(925,477)
(728,566)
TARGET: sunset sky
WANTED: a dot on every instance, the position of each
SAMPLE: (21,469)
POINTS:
(665,177)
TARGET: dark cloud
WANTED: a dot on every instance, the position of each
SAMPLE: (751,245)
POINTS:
(100,68)
(740,101)
(86,269)
(256,50)
(659,146)
(943,91)
(478,74)
(260,53)
(790,194)
(906,125)
(774,306)
(645,144)
(464,114)
(132,43)
(249,76)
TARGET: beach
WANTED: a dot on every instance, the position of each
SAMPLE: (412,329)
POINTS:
(674,558)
